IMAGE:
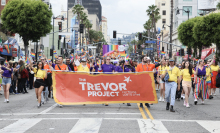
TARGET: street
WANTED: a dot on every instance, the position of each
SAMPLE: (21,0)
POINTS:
(22,115)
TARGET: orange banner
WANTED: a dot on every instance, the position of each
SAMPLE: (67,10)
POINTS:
(82,88)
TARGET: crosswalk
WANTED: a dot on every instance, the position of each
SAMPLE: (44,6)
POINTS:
(108,125)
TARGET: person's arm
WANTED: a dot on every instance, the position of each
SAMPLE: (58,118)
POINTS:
(178,80)
(164,74)
(157,65)
(9,69)
(67,69)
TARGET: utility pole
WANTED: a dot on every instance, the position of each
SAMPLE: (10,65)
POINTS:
(171,27)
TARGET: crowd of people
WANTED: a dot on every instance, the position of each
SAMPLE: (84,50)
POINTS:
(174,80)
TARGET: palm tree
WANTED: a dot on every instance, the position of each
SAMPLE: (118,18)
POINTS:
(154,14)
(83,18)
(148,26)
(88,25)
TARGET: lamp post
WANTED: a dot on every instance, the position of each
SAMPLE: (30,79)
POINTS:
(170,54)
(178,12)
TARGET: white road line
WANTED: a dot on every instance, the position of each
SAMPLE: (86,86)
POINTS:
(20,126)
(11,114)
(87,126)
(211,126)
(49,109)
(152,126)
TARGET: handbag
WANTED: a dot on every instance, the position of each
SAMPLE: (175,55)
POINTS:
(166,78)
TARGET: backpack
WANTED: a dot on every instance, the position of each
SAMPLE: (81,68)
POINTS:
(26,73)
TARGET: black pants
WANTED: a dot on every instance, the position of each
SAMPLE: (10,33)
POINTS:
(31,80)
(13,83)
(22,87)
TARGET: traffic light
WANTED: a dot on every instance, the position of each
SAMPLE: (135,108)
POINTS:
(81,28)
(139,46)
(119,42)
(189,51)
(163,49)
(182,52)
(51,52)
(60,36)
(60,26)
(140,36)
(114,34)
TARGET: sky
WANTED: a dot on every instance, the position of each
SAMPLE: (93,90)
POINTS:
(124,16)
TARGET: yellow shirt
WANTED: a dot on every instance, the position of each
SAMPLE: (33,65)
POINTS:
(40,73)
(161,69)
(80,68)
(173,73)
(208,73)
(186,75)
(214,68)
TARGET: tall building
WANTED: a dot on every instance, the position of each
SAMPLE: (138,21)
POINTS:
(105,28)
(93,6)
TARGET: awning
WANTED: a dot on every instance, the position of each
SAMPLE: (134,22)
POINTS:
(210,56)
(205,53)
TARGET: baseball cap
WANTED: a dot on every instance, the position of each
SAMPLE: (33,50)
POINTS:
(83,60)
(171,59)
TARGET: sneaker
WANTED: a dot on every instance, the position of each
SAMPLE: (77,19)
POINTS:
(182,97)
(187,105)
(184,104)
(7,101)
(106,104)
(195,101)
(203,102)
(141,105)
(160,99)
(61,106)
(214,94)
(163,100)
(128,104)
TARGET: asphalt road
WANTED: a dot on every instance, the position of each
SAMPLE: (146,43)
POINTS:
(22,115)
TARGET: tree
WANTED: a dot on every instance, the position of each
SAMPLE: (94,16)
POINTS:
(148,27)
(31,19)
(88,25)
(96,36)
(78,9)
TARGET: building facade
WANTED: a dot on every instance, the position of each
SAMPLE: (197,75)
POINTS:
(93,6)
(105,28)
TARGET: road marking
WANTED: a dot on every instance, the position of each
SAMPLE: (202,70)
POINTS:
(152,126)
(11,114)
(20,126)
(49,109)
(211,126)
(142,112)
(148,112)
(87,125)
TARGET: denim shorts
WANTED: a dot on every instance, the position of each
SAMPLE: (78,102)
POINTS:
(6,81)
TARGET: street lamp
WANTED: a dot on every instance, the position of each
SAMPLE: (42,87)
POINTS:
(62,18)
(170,55)
(178,12)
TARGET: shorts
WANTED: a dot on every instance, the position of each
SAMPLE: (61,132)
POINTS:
(187,84)
(38,83)
(209,83)
(161,81)
(6,81)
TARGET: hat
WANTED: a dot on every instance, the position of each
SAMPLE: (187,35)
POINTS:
(11,61)
(148,58)
(83,60)
(171,59)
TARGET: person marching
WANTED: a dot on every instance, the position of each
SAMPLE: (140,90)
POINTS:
(83,66)
(6,72)
(208,79)
(107,68)
(39,84)
(162,83)
(201,90)
(186,74)
(214,71)
(171,84)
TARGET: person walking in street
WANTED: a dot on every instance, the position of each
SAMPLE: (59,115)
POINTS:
(186,75)
(39,84)
(171,84)
(208,79)
(14,78)
(214,71)
(6,72)
(83,66)
(162,83)
(23,77)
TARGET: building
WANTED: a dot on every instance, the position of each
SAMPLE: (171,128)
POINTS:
(93,6)
(104,28)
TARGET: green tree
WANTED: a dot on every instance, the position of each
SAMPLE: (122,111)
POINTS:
(148,27)
(78,9)
(88,25)
(96,36)
(31,19)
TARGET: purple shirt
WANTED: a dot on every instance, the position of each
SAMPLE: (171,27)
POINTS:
(107,68)
(96,67)
(7,73)
(129,68)
(118,69)
(201,72)
(53,65)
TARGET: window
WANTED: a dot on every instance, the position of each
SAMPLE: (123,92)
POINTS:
(164,12)
(3,2)
(164,21)
(200,12)
(186,8)
(163,4)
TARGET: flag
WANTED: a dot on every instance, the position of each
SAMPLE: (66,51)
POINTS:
(162,53)
(1,48)
(156,61)
(33,55)
(39,55)
(87,52)
(83,56)
(6,63)
(71,55)
(54,52)
(127,57)
(27,60)
(7,48)
(90,57)
(55,56)
(81,50)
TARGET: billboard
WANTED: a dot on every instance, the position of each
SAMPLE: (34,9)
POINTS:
(207,4)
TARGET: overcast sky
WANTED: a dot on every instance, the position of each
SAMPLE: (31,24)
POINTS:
(125,16)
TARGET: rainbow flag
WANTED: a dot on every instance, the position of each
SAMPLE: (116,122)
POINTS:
(90,57)
(156,61)
(32,54)
(54,52)
(81,50)
(127,57)
(26,60)
(162,53)
(55,56)
(39,55)
(7,48)
(6,63)
(109,48)
(123,55)
(83,56)
(71,55)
